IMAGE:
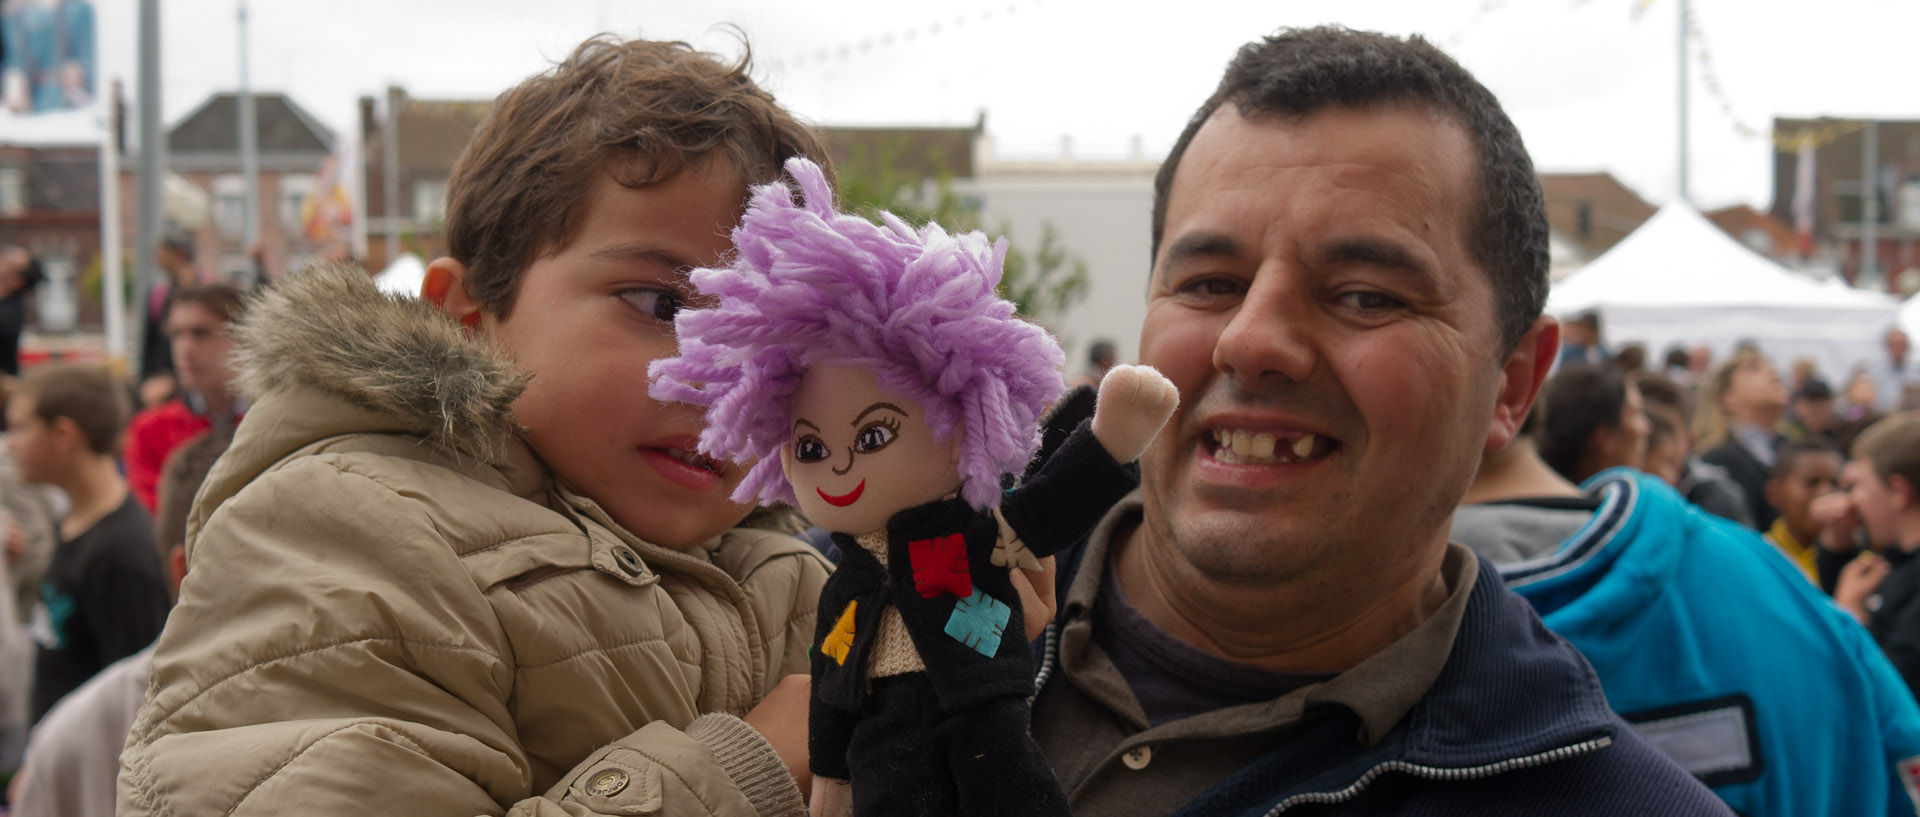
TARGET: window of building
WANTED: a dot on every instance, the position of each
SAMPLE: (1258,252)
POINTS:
(13,190)
(295,191)
(230,205)
(430,201)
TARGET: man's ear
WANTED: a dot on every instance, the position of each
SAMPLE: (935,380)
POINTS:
(445,286)
(67,433)
(1525,369)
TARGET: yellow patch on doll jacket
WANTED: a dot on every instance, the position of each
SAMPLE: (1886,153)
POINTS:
(838,642)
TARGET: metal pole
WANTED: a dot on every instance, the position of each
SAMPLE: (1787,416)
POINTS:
(1683,102)
(153,161)
(112,278)
(390,173)
(249,138)
(1870,200)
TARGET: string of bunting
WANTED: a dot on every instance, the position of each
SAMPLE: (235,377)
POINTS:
(1816,136)
(902,37)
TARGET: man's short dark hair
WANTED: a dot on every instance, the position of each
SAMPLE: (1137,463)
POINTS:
(83,393)
(1577,401)
(1298,72)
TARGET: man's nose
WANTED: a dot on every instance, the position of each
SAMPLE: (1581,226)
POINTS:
(1271,333)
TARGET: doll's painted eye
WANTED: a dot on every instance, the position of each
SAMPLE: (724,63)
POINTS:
(809,449)
(875,437)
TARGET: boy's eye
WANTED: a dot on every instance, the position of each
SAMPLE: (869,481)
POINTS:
(659,304)
(873,438)
(809,449)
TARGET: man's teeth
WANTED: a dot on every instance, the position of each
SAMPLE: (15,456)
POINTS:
(1241,446)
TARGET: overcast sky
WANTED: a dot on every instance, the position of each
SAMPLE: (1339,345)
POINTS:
(1592,83)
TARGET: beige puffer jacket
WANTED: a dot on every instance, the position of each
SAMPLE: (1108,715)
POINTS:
(394,609)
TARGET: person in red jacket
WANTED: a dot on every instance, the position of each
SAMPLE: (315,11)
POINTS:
(196,328)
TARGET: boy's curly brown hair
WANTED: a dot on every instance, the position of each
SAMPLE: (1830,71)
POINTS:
(637,109)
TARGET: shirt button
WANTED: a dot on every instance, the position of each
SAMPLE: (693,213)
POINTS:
(1138,757)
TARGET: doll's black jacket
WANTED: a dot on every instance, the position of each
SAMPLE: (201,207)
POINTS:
(1054,508)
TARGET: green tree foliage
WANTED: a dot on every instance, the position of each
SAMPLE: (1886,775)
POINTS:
(1041,282)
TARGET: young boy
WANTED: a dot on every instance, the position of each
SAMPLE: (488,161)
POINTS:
(456,561)
(104,596)
(1802,470)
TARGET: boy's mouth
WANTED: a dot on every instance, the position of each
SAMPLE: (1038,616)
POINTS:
(693,458)
(845,499)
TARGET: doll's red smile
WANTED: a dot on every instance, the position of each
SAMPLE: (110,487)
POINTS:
(843,500)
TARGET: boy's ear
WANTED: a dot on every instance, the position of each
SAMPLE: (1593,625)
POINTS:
(445,286)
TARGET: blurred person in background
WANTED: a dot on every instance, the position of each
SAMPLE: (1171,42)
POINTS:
(1803,470)
(1674,365)
(175,257)
(1814,415)
(1736,421)
(20,273)
(1778,702)
(1801,370)
(1882,483)
(104,596)
(74,760)
(1632,359)
(1580,340)
(197,324)
(1591,419)
(1100,360)
(1893,373)
(1671,441)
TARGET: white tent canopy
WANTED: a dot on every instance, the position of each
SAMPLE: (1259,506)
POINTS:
(402,277)
(1680,281)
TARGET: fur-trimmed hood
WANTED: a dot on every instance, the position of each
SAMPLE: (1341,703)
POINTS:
(330,329)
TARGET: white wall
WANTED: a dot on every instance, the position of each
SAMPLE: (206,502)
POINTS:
(1103,217)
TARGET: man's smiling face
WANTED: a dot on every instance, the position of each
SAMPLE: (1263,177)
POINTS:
(1335,345)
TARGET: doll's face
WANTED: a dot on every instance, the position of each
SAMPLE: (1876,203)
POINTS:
(856,454)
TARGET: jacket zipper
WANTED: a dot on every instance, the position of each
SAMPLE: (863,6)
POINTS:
(1438,773)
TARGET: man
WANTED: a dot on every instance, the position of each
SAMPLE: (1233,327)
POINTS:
(1702,483)
(1883,487)
(19,274)
(104,596)
(1814,416)
(196,330)
(1349,269)
(1634,577)
(1592,420)
(175,257)
(1893,375)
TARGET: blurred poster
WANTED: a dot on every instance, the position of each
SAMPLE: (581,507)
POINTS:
(49,71)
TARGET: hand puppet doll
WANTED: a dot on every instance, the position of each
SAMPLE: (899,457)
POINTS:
(879,384)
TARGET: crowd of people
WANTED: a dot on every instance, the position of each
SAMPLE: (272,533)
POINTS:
(1406,546)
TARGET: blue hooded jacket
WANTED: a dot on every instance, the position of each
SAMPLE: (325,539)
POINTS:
(1725,656)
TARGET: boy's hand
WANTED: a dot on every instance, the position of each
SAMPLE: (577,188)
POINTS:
(781,718)
(1836,517)
(1036,596)
(1134,402)
(1857,581)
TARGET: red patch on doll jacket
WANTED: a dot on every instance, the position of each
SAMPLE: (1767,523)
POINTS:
(940,566)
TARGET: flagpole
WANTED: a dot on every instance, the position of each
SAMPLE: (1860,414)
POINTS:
(1684,199)
(112,279)
(249,138)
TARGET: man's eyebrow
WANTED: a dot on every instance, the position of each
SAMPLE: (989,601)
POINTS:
(641,251)
(1373,251)
(876,407)
(1202,245)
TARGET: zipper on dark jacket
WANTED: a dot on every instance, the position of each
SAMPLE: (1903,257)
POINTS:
(1444,774)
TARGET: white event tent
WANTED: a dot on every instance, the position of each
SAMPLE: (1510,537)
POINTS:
(1680,281)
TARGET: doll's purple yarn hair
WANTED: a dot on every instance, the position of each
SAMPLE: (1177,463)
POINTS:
(810,285)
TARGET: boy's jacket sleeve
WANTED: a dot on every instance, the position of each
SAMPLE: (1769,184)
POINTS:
(332,655)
